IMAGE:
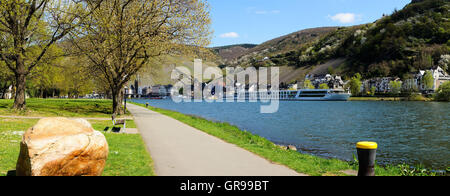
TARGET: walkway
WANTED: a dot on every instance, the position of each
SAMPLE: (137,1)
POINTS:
(180,150)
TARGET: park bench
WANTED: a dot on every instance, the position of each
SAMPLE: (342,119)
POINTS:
(119,122)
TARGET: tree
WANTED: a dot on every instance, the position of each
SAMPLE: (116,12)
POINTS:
(331,70)
(308,85)
(428,80)
(355,84)
(395,87)
(445,60)
(324,86)
(6,79)
(121,36)
(36,25)
(45,78)
(373,90)
(443,93)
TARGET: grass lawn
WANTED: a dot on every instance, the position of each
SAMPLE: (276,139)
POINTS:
(128,155)
(303,163)
(60,107)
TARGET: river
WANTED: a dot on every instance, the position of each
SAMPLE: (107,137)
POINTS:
(406,132)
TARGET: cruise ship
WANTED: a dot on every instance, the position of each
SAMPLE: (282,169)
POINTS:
(316,95)
(298,95)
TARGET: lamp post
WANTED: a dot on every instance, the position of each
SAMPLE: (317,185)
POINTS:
(125,100)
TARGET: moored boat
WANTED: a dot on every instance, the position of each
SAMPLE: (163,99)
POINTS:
(298,95)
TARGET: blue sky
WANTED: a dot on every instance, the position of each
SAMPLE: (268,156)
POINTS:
(257,21)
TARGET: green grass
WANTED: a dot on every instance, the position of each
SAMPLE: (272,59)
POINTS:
(127,153)
(128,156)
(60,107)
(376,99)
(411,98)
(303,163)
(106,125)
(11,131)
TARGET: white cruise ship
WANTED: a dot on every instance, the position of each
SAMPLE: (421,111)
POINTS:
(298,95)
(316,95)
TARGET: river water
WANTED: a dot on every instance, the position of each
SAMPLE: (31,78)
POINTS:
(406,132)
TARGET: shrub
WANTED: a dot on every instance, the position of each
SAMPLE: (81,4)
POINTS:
(443,93)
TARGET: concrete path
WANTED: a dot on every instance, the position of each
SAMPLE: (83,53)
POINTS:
(180,150)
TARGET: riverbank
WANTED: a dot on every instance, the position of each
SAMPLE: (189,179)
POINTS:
(128,155)
(302,163)
(411,98)
(178,149)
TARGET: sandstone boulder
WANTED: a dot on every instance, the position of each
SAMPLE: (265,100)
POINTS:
(62,147)
(292,147)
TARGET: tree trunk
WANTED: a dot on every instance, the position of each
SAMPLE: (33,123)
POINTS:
(19,98)
(117,101)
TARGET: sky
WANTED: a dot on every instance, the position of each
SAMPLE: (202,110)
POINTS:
(257,21)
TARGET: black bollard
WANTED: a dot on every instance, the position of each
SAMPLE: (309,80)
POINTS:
(146,104)
(366,155)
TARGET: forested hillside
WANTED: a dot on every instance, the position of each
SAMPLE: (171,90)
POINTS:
(415,37)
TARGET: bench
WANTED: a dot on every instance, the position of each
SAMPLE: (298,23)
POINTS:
(119,122)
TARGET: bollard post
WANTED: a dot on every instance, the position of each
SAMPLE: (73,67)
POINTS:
(146,104)
(366,155)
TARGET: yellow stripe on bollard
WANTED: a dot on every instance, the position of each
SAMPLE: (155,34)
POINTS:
(367,145)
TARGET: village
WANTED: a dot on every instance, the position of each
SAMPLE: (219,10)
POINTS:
(381,85)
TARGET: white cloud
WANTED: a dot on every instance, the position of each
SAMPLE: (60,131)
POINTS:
(263,12)
(229,35)
(255,10)
(345,18)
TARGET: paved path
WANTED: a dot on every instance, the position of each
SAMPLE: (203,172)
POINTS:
(180,150)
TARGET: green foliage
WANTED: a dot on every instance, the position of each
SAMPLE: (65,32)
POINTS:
(395,87)
(443,93)
(324,86)
(355,84)
(60,108)
(308,85)
(373,91)
(331,70)
(419,170)
(408,40)
(428,80)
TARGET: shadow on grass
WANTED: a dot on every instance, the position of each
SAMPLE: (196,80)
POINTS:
(11,173)
(116,129)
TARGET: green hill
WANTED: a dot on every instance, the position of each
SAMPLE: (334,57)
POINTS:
(410,39)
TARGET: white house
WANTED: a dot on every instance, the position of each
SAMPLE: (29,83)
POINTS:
(8,93)
(382,85)
(439,75)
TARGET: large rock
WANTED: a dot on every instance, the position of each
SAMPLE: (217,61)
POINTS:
(62,147)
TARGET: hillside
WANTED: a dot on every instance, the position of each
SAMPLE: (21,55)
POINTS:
(416,37)
(160,70)
(413,38)
(229,53)
(280,45)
